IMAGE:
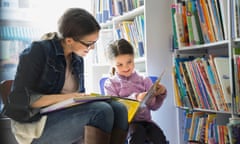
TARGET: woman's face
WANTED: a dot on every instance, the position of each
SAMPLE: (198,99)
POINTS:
(81,47)
(124,64)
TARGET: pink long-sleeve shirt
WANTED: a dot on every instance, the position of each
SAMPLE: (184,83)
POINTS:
(129,87)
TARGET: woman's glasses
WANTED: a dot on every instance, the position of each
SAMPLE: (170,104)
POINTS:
(88,45)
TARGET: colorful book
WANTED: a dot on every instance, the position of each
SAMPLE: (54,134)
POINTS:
(222,67)
(206,14)
(187,83)
(131,105)
(217,85)
(187,125)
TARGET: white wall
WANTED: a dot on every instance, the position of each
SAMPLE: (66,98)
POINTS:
(47,12)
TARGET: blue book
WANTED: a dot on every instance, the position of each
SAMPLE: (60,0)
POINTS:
(187,126)
(140,48)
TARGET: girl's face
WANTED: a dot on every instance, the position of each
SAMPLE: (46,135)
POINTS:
(124,64)
(81,47)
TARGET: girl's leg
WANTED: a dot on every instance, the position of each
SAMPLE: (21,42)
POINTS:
(67,126)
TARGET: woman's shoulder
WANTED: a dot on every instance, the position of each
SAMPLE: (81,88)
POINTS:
(43,46)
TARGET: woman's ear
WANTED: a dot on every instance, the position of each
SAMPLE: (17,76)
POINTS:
(69,41)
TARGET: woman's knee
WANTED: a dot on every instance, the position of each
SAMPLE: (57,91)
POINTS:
(119,109)
(120,115)
(102,116)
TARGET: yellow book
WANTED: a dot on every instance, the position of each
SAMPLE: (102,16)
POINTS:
(131,105)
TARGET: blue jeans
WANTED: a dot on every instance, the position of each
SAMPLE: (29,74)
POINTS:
(67,126)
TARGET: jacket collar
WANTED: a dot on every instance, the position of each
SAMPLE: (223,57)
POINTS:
(57,46)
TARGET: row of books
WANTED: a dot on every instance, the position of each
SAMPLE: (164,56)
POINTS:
(105,10)
(234,130)
(201,127)
(236,20)
(133,31)
(100,51)
(198,22)
(236,57)
(202,83)
(19,33)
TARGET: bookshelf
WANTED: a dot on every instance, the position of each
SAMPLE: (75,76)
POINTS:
(157,56)
(199,86)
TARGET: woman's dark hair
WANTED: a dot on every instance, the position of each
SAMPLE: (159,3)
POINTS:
(77,23)
(119,47)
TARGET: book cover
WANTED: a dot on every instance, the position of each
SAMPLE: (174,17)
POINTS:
(192,82)
(206,14)
(206,81)
(180,80)
(222,67)
(173,11)
(187,125)
(217,20)
(197,22)
(187,82)
(208,128)
(202,21)
(202,89)
(177,97)
(131,105)
(218,87)
(189,18)
(213,84)
(179,29)
(194,122)
(150,92)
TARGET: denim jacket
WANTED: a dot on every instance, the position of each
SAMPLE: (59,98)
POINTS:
(41,71)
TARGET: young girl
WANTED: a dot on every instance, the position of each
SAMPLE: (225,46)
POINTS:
(126,82)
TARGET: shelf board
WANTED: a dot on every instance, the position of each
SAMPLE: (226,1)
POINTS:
(139,60)
(237,40)
(204,110)
(130,15)
(202,46)
(16,14)
(107,24)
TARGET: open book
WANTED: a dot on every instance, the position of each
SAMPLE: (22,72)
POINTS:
(73,101)
(151,91)
(131,104)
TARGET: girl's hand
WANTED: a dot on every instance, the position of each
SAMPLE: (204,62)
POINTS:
(140,96)
(160,90)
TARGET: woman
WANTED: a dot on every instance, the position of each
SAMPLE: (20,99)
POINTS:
(51,71)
